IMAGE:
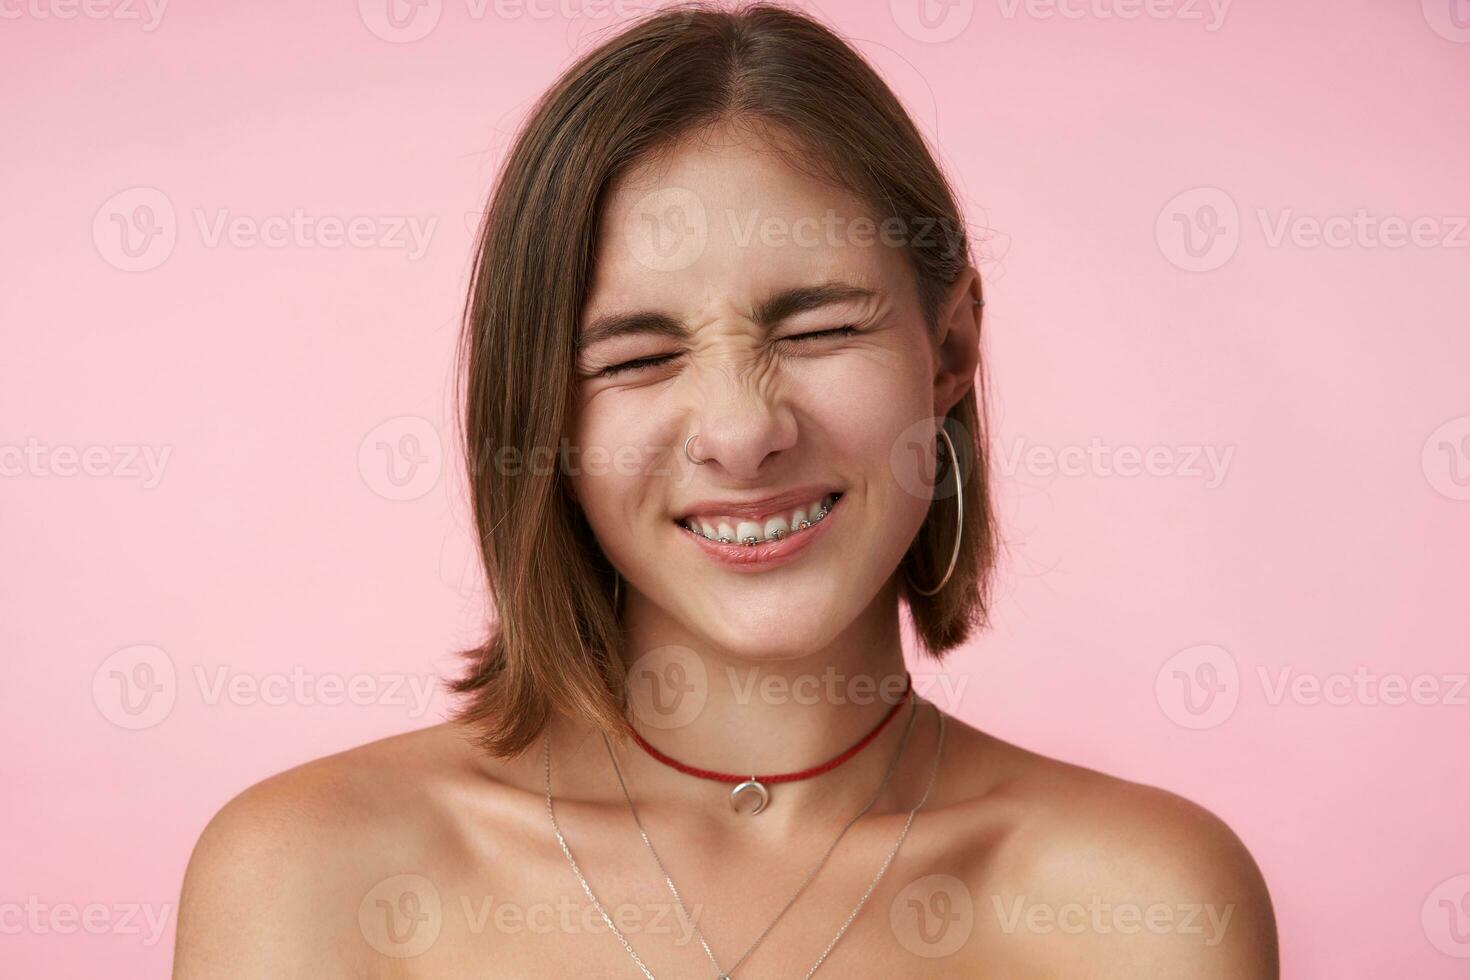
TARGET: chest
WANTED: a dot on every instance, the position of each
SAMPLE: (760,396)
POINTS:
(524,913)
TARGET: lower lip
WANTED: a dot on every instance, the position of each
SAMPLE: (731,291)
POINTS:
(761,557)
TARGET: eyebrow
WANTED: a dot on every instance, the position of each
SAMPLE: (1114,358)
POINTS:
(770,312)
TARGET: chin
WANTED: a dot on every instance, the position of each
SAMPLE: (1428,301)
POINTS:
(785,630)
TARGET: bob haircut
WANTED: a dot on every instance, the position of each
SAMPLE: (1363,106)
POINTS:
(555,643)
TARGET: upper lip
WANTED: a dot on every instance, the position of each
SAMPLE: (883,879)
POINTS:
(787,500)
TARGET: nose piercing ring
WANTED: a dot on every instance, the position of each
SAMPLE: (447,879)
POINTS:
(696,462)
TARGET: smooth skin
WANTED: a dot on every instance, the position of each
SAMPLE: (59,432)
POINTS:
(1019,866)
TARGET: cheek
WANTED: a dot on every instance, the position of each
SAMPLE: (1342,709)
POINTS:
(871,396)
(615,452)
(875,413)
(884,416)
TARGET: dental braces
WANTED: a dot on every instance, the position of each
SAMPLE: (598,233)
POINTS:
(750,541)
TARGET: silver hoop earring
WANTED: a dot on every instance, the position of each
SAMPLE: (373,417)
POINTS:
(687,453)
(959,502)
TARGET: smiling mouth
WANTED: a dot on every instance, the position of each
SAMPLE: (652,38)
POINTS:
(750,532)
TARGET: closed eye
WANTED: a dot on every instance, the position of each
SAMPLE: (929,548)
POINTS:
(832,332)
(655,360)
(635,365)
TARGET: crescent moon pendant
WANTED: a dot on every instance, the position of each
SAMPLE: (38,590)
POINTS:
(752,785)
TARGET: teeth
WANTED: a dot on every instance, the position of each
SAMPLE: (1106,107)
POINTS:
(774,528)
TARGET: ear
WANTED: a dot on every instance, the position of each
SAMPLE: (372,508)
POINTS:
(957,341)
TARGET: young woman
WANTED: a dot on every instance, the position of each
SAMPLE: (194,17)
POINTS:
(722,419)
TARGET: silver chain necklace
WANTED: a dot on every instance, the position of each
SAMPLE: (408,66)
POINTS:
(669,880)
(872,886)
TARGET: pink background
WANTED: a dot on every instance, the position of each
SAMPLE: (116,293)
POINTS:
(1334,541)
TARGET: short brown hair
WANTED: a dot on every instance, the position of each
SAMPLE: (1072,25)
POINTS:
(555,642)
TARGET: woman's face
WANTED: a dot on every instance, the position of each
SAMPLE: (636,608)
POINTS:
(746,304)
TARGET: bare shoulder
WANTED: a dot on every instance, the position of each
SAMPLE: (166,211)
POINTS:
(277,878)
(1082,874)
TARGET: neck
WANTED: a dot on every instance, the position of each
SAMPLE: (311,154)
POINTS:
(710,708)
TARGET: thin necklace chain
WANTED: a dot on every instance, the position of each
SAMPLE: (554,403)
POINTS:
(586,888)
(872,886)
(669,880)
(892,852)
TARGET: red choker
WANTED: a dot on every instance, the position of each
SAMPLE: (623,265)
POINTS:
(757,784)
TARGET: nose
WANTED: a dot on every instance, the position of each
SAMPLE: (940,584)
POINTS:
(739,428)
